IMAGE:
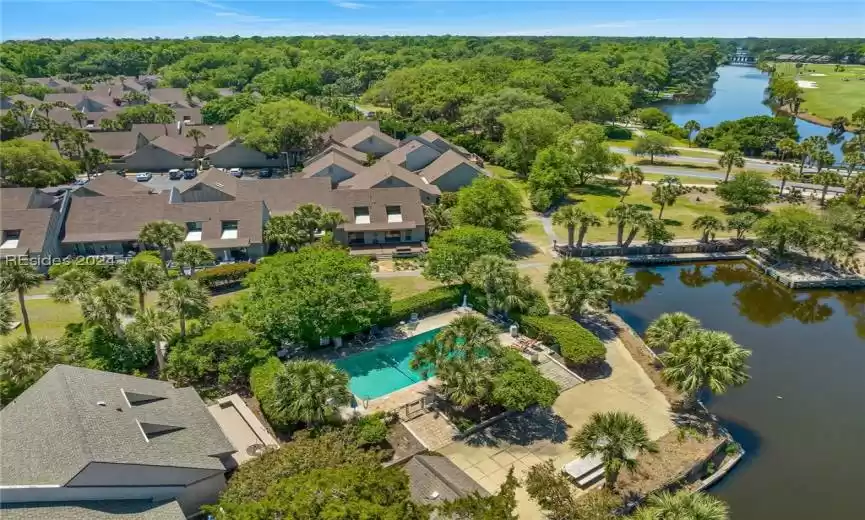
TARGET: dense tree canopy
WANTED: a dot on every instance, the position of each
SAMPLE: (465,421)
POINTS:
(34,164)
(453,251)
(490,203)
(280,126)
(315,293)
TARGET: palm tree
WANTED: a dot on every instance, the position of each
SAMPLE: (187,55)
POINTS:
(500,280)
(75,141)
(7,315)
(55,133)
(162,234)
(465,384)
(621,215)
(152,326)
(667,190)
(193,255)
(185,299)
(704,359)
(709,225)
(827,178)
(856,185)
(683,505)
(785,173)
(470,335)
(310,391)
(630,175)
(573,217)
(105,303)
(729,159)
(79,117)
(691,127)
(810,147)
(72,284)
(24,360)
(163,114)
(617,438)
(308,217)
(824,158)
(437,218)
(330,220)
(19,276)
(196,135)
(94,160)
(141,276)
(787,147)
(853,159)
(285,232)
(668,328)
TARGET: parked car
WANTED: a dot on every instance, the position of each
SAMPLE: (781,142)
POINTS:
(236,172)
(189,173)
(80,182)
(175,174)
(265,173)
(143,176)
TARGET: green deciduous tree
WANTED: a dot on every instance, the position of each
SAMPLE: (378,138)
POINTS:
(280,126)
(33,164)
(557,496)
(19,276)
(163,235)
(527,132)
(617,438)
(500,506)
(652,145)
(184,299)
(652,117)
(314,294)
(748,189)
(484,112)
(451,252)
(588,153)
(742,223)
(490,203)
(575,218)
(789,227)
(704,360)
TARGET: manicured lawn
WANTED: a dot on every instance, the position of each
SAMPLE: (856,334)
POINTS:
(837,93)
(598,199)
(503,173)
(219,299)
(686,179)
(405,286)
(48,318)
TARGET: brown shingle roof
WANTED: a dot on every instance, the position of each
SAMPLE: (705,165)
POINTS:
(364,133)
(431,475)
(408,199)
(284,195)
(399,155)
(351,153)
(177,145)
(111,185)
(16,198)
(171,96)
(381,171)
(345,129)
(333,158)
(442,144)
(214,178)
(445,163)
(33,225)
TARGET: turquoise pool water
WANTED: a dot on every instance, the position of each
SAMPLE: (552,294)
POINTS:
(384,369)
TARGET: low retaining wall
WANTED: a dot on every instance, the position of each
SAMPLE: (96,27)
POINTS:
(852,282)
(688,247)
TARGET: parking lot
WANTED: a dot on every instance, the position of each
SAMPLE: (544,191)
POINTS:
(161,182)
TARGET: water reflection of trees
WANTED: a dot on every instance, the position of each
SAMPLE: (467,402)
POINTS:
(854,305)
(646,279)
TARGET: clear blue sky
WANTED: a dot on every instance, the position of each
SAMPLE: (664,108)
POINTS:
(28,19)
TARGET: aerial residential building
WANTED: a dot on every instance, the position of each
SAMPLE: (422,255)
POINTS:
(31,223)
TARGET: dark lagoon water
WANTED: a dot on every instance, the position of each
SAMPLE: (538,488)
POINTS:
(738,93)
(801,418)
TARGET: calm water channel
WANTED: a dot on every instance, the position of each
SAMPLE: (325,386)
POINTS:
(738,93)
(801,417)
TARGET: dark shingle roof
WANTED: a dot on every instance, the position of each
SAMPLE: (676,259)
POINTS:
(74,416)
(383,170)
(350,153)
(94,510)
(330,159)
(112,185)
(365,133)
(33,225)
(284,195)
(377,200)
(430,475)
(345,129)
(444,164)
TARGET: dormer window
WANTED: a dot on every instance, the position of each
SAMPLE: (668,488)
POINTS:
(394,214)
(229,229)
(193,232)
(361,215)
(10,239)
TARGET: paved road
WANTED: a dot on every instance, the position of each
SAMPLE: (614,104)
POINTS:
(755,164)
(685,173)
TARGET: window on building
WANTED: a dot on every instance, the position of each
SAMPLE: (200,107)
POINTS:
(193,232)
(393,236)
(361,215)
(355,238)
(229,229)
(394,214)
(10,239)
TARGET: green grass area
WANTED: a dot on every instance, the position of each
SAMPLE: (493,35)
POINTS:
(373,108)
(837,93)
(405,286)
(671,163)
(599,198)
(686,179)
(219,299)
(48,319)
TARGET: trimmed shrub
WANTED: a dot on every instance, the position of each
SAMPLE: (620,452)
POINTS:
(434,300)
(97,266)
(617,132)
(519,384)
(261,379)
(576,344)
(223,275)
(371,430)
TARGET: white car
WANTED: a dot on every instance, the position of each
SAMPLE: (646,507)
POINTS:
(236,172)
(143,176)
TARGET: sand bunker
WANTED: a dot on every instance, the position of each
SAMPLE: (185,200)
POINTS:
(806,84)
(816,74)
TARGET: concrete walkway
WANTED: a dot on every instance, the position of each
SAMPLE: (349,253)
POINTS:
(524,440)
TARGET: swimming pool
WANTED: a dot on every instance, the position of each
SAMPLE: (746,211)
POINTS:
(384,369)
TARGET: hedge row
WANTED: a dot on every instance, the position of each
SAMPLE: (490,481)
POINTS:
(222,275)
(261,379)
(434,300)
(576,344)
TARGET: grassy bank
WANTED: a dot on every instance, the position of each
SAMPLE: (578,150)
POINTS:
(837,93)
